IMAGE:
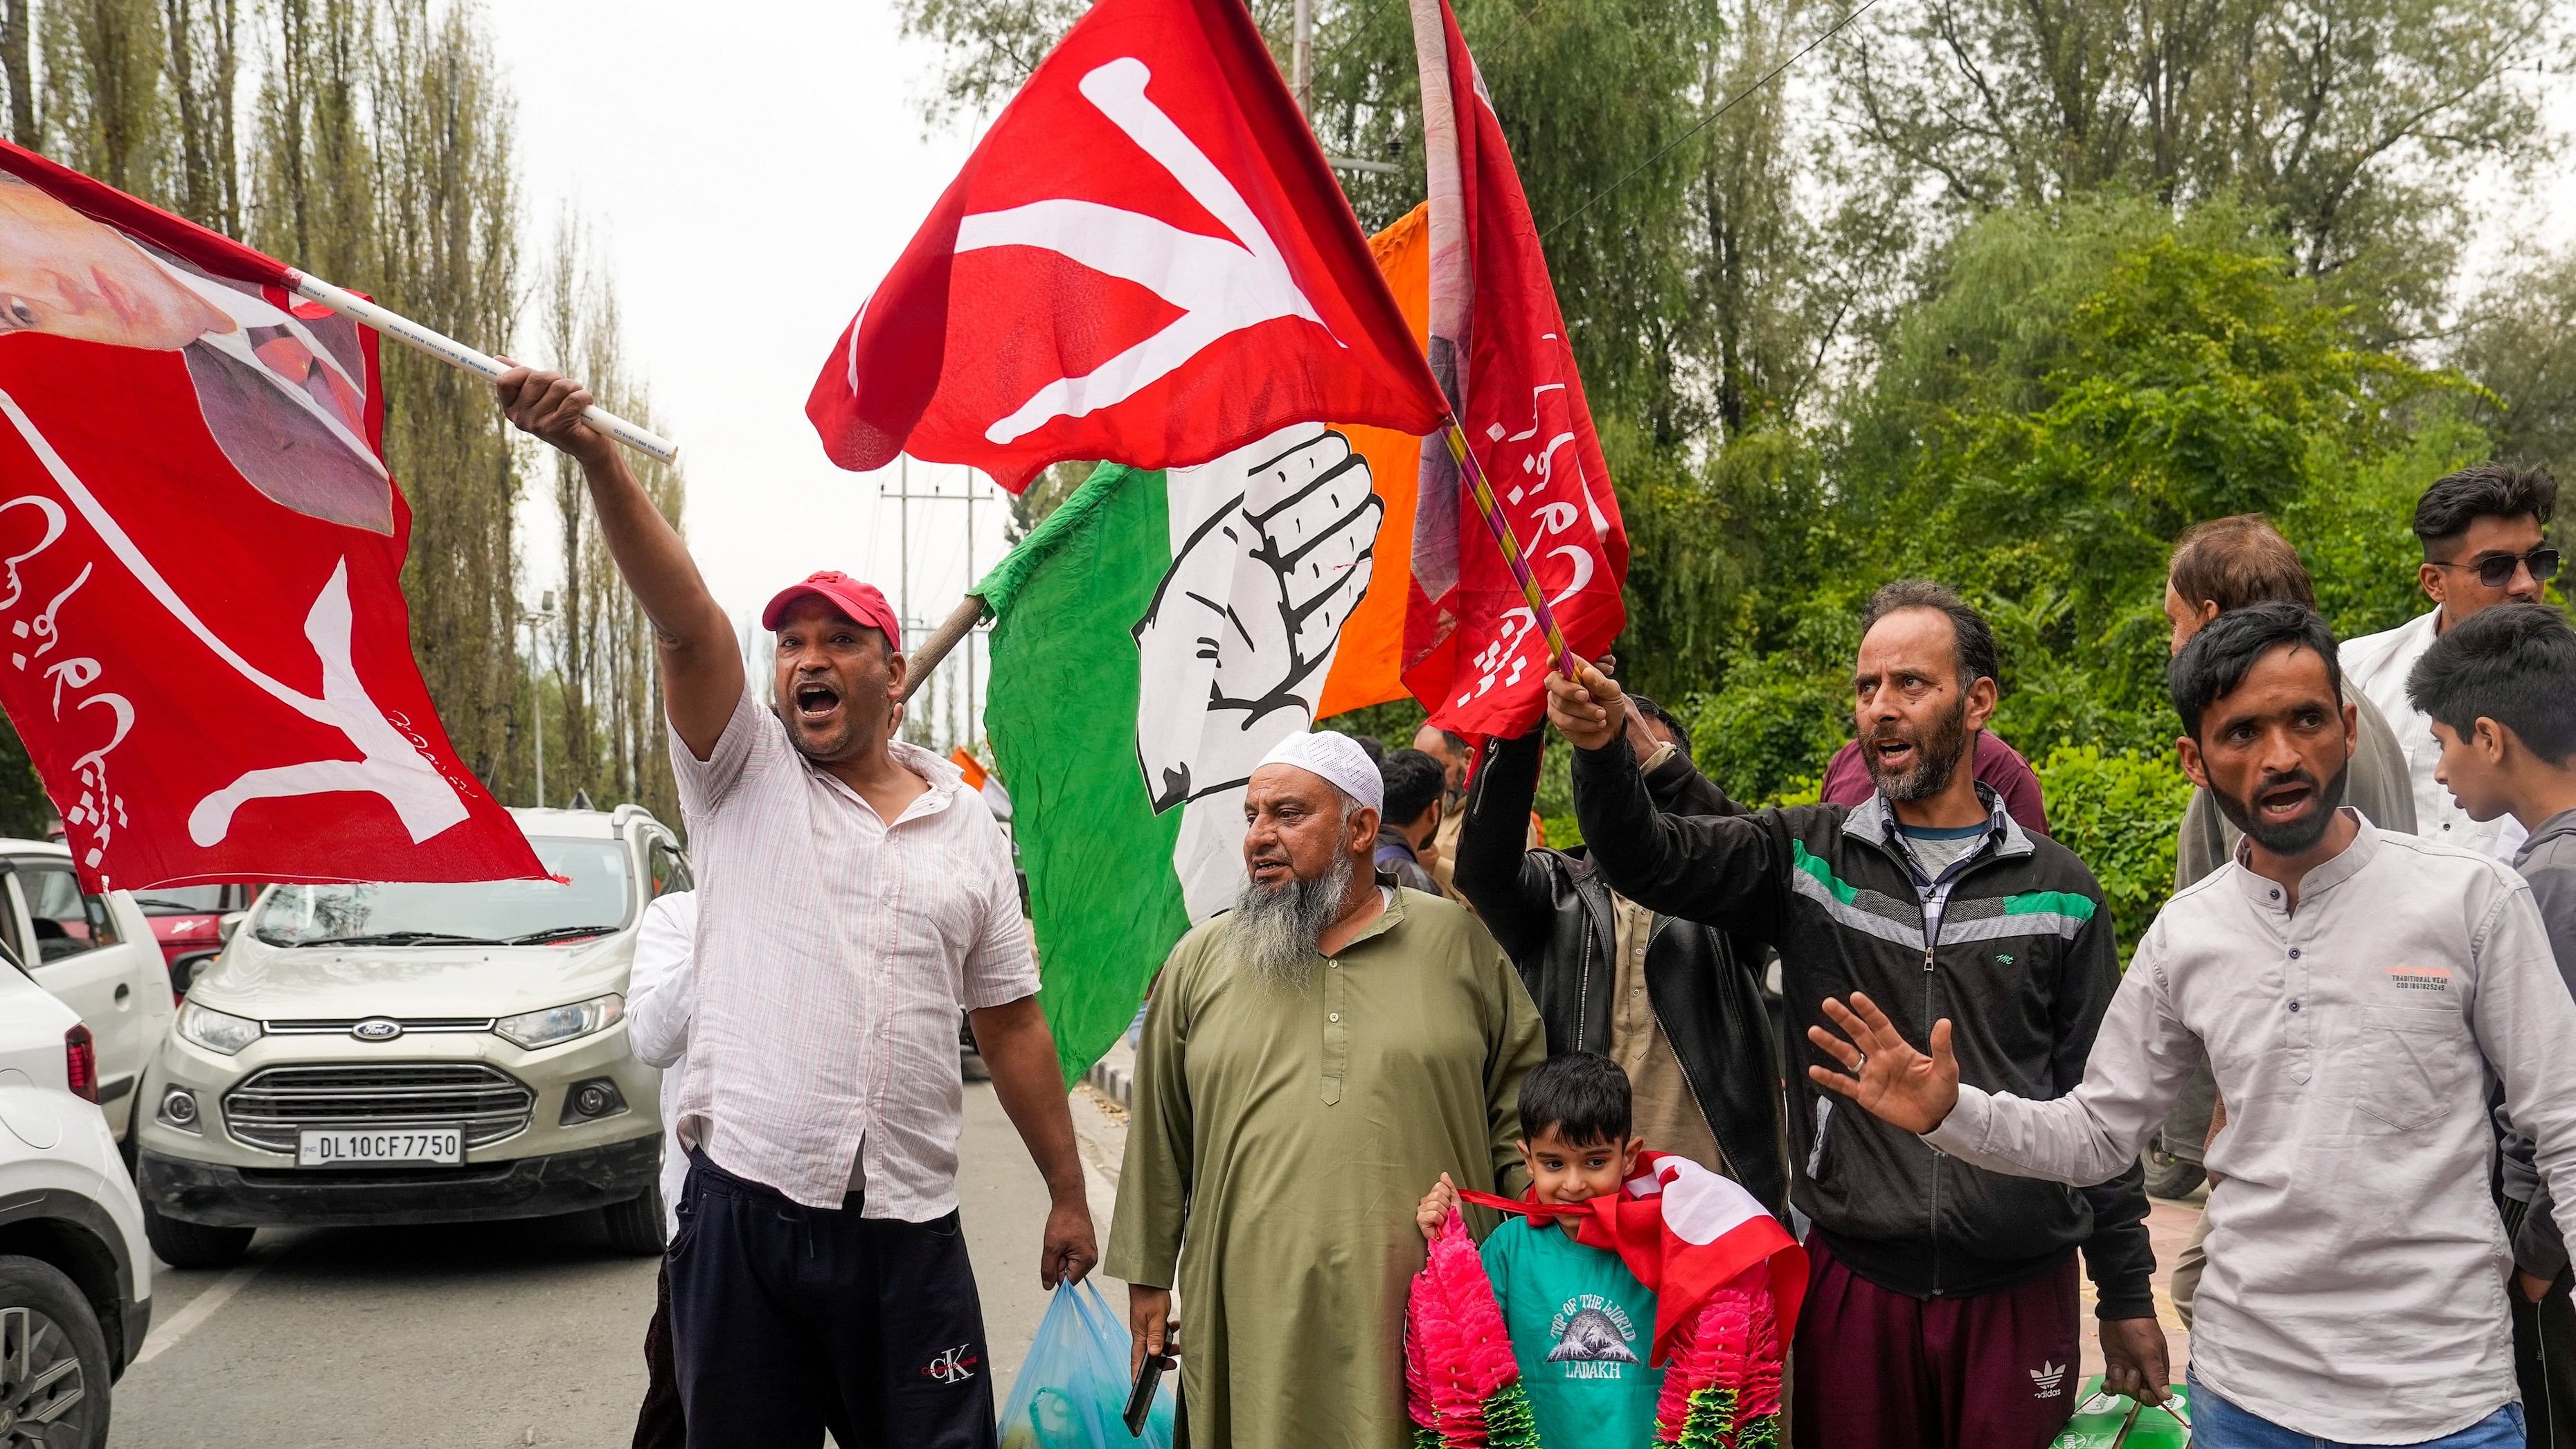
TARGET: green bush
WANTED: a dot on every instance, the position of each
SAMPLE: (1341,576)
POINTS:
(2118,813)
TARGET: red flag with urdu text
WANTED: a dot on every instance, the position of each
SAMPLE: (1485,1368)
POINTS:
(1474,654)
(1146,261)
(208,654)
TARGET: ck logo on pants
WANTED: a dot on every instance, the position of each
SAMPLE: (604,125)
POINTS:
(2048,1380)
(953,1365)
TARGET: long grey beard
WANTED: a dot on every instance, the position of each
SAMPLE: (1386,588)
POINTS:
(1277,927)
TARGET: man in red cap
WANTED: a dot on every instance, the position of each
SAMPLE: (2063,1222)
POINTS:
(853,896)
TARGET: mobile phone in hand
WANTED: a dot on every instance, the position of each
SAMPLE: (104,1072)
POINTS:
(1149,1376)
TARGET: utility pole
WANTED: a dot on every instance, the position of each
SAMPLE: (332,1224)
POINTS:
(913,627)
(536,619)
(1301,59)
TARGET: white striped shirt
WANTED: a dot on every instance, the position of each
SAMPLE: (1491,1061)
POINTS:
(834,952)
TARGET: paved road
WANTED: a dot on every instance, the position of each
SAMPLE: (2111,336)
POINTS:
(509,1334)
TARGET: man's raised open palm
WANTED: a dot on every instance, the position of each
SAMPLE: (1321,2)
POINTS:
(1886,1075)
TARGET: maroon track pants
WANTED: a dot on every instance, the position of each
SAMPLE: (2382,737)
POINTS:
(1881,1370)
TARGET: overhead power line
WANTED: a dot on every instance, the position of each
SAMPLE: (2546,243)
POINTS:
(1705,121)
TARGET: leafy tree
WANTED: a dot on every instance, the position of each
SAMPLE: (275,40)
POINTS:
(2354,125)
(2520,344)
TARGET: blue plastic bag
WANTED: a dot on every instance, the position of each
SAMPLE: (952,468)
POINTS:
(1073,1389)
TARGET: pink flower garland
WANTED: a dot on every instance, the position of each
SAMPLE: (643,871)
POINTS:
(1462,1385)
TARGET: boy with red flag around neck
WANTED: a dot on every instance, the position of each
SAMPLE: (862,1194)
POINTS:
(1655,1309)
(2355,992)
(1581,1323)
(853,896)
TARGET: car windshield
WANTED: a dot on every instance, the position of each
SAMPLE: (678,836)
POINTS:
(587,896)
(203,900)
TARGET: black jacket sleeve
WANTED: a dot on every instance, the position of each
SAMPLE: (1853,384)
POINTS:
(1678,788)
(1495,870)
(1723,869)
(2119,1255)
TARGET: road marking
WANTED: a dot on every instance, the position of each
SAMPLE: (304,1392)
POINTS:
(200,1308)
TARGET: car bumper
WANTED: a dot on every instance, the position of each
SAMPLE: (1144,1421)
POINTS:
(519,1187)
(137,1321)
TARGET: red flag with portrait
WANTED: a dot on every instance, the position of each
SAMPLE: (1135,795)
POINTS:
(1474,654)
(207,650)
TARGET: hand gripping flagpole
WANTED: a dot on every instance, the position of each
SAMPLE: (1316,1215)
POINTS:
(1501,528)
(465,359)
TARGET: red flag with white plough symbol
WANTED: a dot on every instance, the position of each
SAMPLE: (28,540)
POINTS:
(206,647)
(1145,261)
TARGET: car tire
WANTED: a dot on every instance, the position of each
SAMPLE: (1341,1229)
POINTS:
(2171,1177)
(638,1226)
(184,1244)
(46,1324)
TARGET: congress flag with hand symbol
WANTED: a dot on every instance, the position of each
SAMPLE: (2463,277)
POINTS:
(1147,261)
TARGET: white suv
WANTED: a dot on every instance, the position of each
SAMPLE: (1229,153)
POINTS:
(96,954)
(75,1275)
(418,1053)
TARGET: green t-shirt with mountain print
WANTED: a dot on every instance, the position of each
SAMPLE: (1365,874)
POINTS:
(1581,1326)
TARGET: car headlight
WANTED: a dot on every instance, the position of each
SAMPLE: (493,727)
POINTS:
(216,1031)
(533,1029)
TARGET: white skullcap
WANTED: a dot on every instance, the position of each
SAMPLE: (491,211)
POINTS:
(1338,759)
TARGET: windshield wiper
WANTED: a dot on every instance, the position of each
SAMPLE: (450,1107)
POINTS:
(391,938)
(561,933)
(181,906)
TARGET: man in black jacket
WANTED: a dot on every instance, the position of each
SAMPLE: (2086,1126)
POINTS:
(1671,1001)
(1941,1310)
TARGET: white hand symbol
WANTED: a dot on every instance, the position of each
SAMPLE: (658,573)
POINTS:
(1235,646)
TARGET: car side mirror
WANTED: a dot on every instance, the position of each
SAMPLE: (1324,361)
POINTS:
(228,923)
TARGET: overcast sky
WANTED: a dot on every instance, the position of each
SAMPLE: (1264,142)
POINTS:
(749,170)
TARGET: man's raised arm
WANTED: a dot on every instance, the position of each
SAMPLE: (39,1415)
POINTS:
(1723,870)
(702,678)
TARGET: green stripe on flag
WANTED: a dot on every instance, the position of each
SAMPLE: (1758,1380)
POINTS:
(1061,718)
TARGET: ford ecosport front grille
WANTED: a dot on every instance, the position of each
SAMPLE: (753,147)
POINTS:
(276,1103)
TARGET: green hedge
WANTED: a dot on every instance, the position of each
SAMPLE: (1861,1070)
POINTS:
(2118,812)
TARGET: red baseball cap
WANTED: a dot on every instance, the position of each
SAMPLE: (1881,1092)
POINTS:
(854,597)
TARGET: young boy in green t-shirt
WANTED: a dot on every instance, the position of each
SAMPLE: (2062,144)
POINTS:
(1581,1323)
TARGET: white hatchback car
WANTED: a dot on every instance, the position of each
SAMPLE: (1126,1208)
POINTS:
(75,1275)
(366,1054)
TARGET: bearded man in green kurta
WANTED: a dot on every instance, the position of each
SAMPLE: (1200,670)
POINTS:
(1310,1059)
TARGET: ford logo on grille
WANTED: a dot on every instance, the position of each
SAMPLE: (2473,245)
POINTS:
(377,1028)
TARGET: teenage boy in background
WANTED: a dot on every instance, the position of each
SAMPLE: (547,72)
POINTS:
(2501,689)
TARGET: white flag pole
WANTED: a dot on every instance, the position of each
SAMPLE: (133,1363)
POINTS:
(457,355)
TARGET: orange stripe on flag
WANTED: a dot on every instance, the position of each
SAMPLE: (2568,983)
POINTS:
(968,765)
(1368,667)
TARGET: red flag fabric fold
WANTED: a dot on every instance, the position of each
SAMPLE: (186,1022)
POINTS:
(206,647)
(1474,653)
(1146,260)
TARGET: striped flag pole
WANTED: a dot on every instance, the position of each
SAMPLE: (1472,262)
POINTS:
(1495,523)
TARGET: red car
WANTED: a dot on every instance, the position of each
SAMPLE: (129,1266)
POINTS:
(187,921)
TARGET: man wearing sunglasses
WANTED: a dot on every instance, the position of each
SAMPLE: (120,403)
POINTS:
(2485,533)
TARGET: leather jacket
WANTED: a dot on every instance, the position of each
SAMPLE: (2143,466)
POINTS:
(1551,912)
